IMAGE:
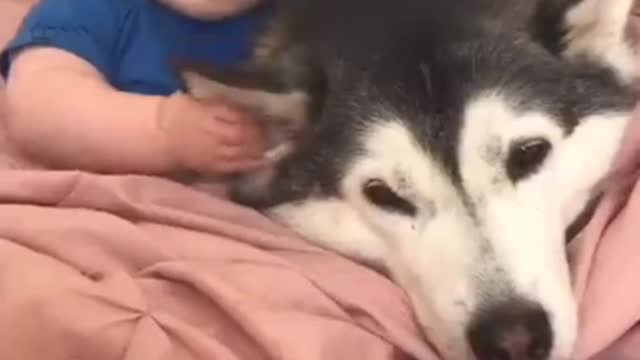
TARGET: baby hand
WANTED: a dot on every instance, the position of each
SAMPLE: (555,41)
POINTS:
(211,138)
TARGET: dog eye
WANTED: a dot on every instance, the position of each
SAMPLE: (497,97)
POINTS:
(525,157)
(381,195)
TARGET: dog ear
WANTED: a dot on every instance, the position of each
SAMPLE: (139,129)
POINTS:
(280,91)
(258,90)
(283,93)
(596,31)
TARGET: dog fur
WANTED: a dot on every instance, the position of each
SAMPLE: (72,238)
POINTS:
(450,142)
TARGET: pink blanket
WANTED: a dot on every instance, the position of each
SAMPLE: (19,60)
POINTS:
(99,267)
(96,267)
(606,264)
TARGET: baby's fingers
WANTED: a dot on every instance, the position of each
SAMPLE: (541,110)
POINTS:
(239,151)
(235,126)
(240,166)
(242,134)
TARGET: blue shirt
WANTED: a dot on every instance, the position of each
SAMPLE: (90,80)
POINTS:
(133,42)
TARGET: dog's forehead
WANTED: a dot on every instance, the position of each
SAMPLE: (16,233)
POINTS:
(475,143)
(395,153)
(441,79)
(485,90)
(434,97)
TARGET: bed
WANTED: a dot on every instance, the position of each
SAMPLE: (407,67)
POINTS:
(133,267)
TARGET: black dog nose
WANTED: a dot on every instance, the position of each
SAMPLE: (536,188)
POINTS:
(511,330)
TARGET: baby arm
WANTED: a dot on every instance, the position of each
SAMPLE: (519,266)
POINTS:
(66,115)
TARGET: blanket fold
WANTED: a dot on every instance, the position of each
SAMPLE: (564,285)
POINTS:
(127,267)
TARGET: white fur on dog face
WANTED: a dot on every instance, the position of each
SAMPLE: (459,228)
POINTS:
(525,222)
(447,259)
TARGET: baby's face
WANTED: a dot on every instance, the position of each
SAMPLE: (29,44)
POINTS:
(209,9)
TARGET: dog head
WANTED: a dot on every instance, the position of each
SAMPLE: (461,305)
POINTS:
(456,163)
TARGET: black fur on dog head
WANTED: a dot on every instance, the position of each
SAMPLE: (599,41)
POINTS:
(321,66)
(418,135)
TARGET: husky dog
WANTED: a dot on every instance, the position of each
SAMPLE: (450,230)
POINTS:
(450,142)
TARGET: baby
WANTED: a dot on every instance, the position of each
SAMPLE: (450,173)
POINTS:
(90,86)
